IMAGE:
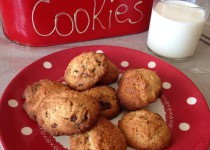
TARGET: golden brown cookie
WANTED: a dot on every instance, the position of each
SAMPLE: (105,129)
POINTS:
(111,74)
(35,93)
(85,70)
(106,96)
(145,130)
(138,87)
(103,136)
(68,113)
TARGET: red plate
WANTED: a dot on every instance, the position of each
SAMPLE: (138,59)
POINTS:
(181,105)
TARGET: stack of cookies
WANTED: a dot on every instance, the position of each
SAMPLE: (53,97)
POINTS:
(84,106)
(87,69)
(142,129)
(59,110)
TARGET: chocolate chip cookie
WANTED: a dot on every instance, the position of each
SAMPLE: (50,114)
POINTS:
(138,87)
(111,74)
(35,93)
(145,130)
(103,136)
(85,70)
(68,113)
(106,96)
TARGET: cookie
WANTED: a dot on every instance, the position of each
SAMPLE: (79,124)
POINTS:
(111,75)
(138,87)
(68,113)
(85,70)
(103,136)
(145,130)
(35,93)
(106,96)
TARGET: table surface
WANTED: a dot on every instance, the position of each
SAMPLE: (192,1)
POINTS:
(14,57)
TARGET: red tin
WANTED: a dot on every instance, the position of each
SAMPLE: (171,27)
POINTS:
(51,22)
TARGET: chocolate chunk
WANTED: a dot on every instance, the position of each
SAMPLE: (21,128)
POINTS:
(80,85)
(54,125)
(99,62)
(93,70)
(104,105)
(73,118)
(46,114)
(76,71)
(85,117)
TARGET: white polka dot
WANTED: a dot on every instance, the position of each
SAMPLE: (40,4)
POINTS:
(151,64)
(124,64)
(184,126)
(191,100)
(47,65)
(13,103)
(99,51)
(166,85)
(26,130)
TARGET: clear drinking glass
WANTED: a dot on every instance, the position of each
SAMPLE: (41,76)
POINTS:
(176,26)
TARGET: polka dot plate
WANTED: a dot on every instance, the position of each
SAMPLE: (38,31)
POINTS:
(181,105)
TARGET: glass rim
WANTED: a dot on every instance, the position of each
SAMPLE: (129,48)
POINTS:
(168,2)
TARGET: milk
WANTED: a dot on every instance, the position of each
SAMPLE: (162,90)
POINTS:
(175,33)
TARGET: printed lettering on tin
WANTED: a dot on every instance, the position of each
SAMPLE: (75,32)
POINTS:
(97,18)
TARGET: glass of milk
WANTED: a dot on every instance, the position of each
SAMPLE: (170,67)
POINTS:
(176,26)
